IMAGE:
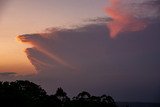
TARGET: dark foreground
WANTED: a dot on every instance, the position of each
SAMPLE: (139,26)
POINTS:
(137,104)
(28,94)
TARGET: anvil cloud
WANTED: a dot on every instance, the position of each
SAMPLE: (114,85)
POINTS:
(124,66)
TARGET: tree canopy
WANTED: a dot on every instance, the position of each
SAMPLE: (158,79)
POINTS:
(28,94)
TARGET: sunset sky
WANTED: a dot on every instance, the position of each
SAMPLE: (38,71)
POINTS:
(101,46)
(31,16)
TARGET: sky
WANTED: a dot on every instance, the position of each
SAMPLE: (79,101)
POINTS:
(101,46)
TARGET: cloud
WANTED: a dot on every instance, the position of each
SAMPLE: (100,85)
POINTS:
(78,48)
(98,20)
(49,48)
(123,66)
(131,15)
(7,73)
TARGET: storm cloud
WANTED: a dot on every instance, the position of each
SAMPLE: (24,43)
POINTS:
(91,59)
(60,47)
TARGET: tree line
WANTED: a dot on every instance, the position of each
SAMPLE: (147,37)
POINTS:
(28,94)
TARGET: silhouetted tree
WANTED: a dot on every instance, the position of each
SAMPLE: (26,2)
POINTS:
(95,99)
(107,100)
(83,96)
(61,95)
(27,94)
(21,93)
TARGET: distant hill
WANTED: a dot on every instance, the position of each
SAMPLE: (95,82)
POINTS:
(137,104)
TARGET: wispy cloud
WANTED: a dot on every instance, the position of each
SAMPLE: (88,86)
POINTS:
(7,73)
(98,20)
(131,15)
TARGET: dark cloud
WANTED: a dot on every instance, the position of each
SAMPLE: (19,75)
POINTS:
(126,67)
